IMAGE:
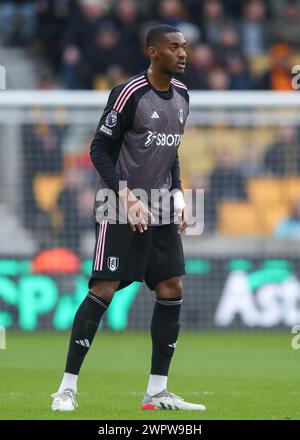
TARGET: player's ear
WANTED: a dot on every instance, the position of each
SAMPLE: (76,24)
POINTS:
(152,52)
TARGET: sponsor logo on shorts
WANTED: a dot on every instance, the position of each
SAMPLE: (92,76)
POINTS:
(113,263)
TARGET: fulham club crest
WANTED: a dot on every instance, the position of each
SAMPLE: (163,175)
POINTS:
(111,119)
(113,263)
(180,115)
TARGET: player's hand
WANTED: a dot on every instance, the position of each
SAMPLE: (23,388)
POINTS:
(179,206)
(138,214)
(183,217)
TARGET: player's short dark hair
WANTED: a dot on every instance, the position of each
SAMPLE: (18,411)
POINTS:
(155,33)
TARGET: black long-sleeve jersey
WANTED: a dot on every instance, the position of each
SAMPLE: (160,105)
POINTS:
(137,141)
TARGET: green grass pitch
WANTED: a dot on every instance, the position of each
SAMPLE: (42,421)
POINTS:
(236,375)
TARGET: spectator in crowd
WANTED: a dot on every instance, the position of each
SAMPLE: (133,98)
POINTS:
(286,24)
(225,183)
(223,34)
(290,227)
(250,164)
(191,32)
(279,76)
(46,81)
(255,29)
(139,61)
(42,153)
(43,145)
(52,20)
(17,22)
(86,199)
(228,46)
(237,68)
(212,20)
(233,8)
(82,162)
(112,77)
(200,64)
(81,31)
(218,79)
(67,203)
(283,157)
(105,52)
(126,18)
(172,12)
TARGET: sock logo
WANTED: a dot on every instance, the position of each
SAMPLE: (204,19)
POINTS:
(83,342)
(172,345)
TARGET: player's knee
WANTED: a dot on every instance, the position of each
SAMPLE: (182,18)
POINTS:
(104,289)
(171,288)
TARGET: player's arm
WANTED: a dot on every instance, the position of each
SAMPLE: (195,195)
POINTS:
(105,146)
(179,203)
(101,157)
(175,174)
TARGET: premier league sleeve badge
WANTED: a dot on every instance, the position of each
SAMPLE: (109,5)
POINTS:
(111,119)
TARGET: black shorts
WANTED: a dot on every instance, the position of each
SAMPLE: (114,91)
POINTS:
(127,256)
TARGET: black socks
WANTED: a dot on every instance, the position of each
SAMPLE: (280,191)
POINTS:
(85,325)
(164,332)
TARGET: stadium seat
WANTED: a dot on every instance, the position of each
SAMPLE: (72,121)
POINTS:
(46,189)
(291,189)
(265,190)
(271,215)
(238,218)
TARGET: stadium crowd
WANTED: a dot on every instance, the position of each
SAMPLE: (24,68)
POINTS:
(94,44)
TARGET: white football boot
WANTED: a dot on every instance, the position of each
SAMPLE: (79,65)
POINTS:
(166,400)
(64,400)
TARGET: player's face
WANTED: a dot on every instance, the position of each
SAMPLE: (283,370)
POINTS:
(172,53)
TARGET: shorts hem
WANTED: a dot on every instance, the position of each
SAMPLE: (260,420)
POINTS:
(123,282)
